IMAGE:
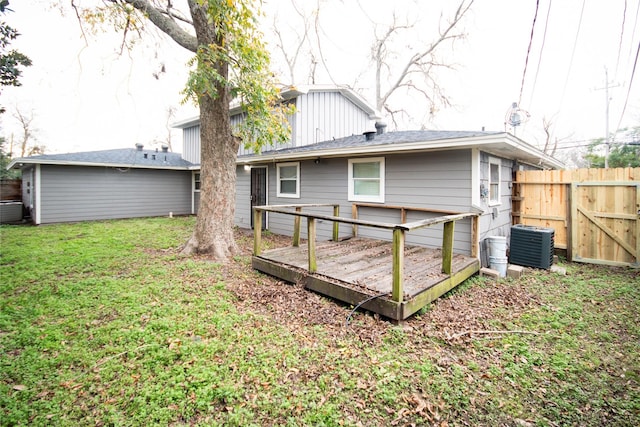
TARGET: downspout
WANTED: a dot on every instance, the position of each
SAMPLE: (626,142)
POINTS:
(36,194)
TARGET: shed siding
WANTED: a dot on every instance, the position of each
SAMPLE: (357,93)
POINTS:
(77,193)
(440,180)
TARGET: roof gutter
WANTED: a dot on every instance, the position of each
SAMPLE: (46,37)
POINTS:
(438,145)
(21,162)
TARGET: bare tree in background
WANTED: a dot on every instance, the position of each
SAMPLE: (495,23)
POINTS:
(415,74)
(27,139)
(398,65)
(547,124)
(292,51)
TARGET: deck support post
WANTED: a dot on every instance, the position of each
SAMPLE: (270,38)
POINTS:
(398,265)
(311,241)
(336,224)
(257,231)
(296,228)
(447,246)
(475,236)
(354,215)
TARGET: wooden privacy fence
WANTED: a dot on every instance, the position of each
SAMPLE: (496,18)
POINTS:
(595,212)
(11,189)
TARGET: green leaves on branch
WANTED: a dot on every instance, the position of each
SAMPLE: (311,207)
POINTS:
(239,51)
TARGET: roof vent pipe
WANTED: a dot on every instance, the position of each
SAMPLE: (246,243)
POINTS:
(369,135)
(139,146)
(165,148)
(381,127)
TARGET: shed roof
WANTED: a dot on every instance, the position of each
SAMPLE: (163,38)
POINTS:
(501,144)
(119,157)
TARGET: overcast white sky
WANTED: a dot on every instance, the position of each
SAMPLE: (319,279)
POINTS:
(89,97)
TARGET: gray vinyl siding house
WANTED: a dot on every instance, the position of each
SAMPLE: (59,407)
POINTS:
(110,184)
(445,171)
(333,129)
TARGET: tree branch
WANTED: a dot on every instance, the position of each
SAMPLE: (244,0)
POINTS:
(164,22)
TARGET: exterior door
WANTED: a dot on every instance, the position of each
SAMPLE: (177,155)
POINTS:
(605,223)
(259,192)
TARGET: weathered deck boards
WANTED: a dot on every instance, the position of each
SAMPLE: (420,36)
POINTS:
(356,269)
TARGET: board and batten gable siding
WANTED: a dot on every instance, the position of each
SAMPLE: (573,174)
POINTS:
(438,180)
(319,116)
(79,193)
(323,116)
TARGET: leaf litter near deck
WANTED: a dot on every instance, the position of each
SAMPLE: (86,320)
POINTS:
(475,307)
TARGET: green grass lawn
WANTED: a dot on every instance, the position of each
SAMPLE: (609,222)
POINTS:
(102,323)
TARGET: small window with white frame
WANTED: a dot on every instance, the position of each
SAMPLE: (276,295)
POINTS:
(366,180)
(288,176)
(494,181)
(196,181)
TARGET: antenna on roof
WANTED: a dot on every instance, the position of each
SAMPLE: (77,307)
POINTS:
(515,117)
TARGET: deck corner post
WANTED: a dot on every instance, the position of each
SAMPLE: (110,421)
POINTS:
(447,246)
(398,264)
(296,228)
(311,241)
(354,215)
(475,236)
(336,224)
(257,232)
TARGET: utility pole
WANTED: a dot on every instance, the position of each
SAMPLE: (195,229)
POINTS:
(607,99)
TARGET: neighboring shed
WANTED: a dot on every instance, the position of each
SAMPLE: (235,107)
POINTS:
(109,184)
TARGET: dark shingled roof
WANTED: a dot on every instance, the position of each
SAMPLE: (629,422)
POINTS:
(388,138)
(126,157)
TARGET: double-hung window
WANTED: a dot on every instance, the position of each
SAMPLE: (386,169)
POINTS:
(494,181)
(196,181)
(288,176)
(366,180)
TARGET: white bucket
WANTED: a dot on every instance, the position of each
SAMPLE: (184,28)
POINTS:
(497,246)
(499,264)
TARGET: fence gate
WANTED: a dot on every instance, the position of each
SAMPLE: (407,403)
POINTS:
(605,223)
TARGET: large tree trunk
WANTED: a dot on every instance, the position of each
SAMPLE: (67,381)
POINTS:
(213,233)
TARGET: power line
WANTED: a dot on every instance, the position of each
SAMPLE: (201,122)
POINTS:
(624,18)
(544,38)
(626,99)
(573,52)
(526,61)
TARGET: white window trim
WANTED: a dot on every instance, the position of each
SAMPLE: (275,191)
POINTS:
(498,162)
(193,181)
(288,195)
(361,198)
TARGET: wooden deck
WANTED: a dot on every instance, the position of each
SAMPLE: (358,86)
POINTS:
(356,269)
